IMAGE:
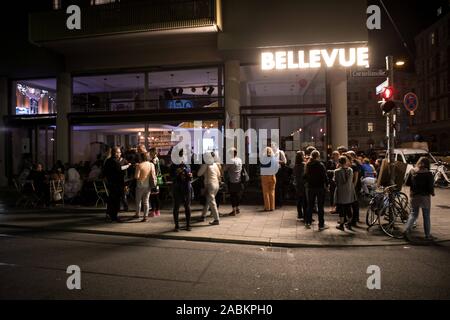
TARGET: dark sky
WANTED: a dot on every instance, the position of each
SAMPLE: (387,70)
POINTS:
(411,17)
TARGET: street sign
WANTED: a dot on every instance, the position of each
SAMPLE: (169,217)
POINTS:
(411,102)
(369,73)
(381,87)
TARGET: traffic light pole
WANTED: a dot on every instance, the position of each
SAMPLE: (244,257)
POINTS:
(390,117)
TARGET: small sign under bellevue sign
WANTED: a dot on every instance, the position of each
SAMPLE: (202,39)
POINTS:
(368,73)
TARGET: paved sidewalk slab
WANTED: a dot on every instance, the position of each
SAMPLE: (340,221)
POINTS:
(252,226)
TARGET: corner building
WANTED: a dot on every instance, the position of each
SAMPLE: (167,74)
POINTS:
(137,70)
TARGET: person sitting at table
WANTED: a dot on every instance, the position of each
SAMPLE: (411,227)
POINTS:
(40,182)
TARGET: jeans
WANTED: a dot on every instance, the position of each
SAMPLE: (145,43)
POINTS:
(313,194)
(210,193)
(142,196)
(426,220)
(366,182)
(302,207)
(182,196)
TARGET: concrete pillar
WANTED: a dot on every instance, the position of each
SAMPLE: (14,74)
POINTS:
(233,93)
(3,112)
(146,95)
(64,103)
(338,100)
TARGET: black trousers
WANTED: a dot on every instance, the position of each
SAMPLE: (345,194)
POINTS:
(235,190)
(345,211)
(182,196)
(124,201)
(313,194)
(302,207)
(280,189)
(154,201)
(332,190)
(113,203)
(355,212)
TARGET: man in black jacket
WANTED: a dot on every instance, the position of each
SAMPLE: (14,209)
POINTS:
(115,183)
(317,183)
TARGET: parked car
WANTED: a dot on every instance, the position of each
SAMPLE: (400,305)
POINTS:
(411,156)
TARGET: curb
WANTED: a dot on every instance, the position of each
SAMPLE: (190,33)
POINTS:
(266,243)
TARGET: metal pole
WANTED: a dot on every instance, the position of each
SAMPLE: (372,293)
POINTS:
(390,123)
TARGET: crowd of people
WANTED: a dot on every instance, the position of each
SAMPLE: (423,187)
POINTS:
(344,178)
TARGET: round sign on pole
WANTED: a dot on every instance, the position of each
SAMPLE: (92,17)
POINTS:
(411,102)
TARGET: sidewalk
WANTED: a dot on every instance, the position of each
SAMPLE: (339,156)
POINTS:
(252,226)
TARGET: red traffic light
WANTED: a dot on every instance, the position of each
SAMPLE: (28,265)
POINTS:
(388,93)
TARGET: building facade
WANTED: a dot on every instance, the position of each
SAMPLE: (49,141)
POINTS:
(432,121)
(366,124)
(137,70)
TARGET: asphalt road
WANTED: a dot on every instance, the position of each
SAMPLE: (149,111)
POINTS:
(33,266)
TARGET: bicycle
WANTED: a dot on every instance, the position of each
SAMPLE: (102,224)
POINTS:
(389,207)
(441,179)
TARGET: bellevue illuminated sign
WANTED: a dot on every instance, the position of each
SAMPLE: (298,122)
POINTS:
(291,60)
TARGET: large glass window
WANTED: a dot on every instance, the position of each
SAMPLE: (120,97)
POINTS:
(260,88)
(35,96)
(178,89)
(91,142)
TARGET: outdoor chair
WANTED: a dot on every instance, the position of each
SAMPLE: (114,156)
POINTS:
(102,192)
(56,191)
(27,195)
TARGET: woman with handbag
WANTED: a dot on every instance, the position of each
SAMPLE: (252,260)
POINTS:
(154,194)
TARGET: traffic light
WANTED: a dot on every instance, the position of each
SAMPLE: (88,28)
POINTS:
(388,93)
(387,105)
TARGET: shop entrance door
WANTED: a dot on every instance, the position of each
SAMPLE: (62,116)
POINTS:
(45,145)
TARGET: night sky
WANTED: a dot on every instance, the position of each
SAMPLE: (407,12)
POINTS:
(411,17)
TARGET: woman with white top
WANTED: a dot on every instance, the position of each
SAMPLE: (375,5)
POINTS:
(145,180)
(212,175)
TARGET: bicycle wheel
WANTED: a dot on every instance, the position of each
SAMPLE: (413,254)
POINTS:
(403,199)
(401,203)
(371,216)
(390,222)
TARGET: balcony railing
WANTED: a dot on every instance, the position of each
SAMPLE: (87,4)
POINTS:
(126,17)
(151,104)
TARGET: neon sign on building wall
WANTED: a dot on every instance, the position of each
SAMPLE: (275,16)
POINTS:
(313,59)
